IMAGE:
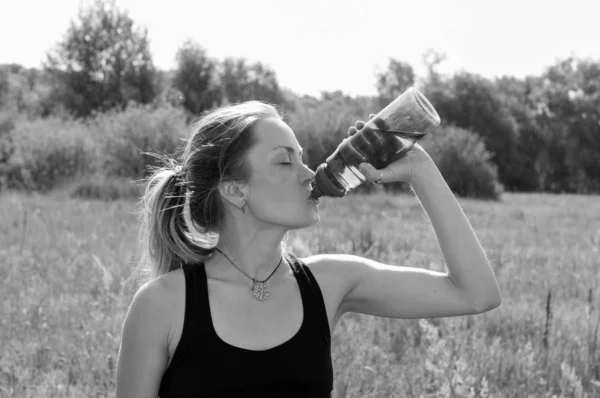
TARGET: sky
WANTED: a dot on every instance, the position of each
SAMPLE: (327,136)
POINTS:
(318,45)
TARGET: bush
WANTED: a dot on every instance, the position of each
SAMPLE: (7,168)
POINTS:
(47,151)
(41,154)
(321,127)
(124,137)
(7,123)
(7,147)
(464,162)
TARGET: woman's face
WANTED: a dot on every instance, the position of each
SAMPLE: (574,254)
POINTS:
(280,183)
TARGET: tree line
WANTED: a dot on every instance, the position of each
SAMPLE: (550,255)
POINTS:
(542,131)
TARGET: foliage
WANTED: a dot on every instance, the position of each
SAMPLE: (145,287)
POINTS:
(4,88)
(392,82)
(242,81)
(432,60)
(470,101)
(7,146)
(7,123)
(568,97)
(542,132)
(196,78)
(46,152)
(320,126)
(103,62)
(26,91)
(464,162)
(125,138)
(527,164)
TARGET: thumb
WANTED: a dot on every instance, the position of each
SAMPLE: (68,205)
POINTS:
(370,172)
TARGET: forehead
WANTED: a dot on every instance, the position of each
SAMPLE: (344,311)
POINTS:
(273,132)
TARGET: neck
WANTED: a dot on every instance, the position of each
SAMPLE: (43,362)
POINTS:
(256,253)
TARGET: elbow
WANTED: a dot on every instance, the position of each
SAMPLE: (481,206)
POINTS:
(487,304)
(491,305)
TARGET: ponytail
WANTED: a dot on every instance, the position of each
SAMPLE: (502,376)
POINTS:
(164,234)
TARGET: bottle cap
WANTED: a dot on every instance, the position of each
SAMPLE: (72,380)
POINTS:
(326,185)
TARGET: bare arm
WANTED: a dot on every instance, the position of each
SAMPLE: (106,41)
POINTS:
(469,269)
(468,287)
(143,353)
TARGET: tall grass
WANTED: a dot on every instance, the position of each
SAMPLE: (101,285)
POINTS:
(66,265)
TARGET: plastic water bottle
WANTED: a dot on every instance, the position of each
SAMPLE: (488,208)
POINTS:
(384,139)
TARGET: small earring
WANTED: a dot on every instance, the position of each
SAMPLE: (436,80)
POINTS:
(243,207)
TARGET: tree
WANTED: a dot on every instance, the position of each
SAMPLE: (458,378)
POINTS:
(471,102)
(392,82)
(4,88)
(432,60)
(195,77)
(103,61)
(528,163)
(569,103)
(241,81)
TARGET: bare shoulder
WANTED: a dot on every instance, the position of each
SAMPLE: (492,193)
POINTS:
(157,299)
(143,354)
(161,288)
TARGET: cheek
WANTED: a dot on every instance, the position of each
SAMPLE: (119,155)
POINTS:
(278,198)
(272,183)
(275,195)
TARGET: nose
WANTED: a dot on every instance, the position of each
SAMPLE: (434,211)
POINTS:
(308,176)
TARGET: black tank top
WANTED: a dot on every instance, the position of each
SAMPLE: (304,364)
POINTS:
(203,365)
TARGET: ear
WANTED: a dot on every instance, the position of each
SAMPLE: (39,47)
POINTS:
(233,192)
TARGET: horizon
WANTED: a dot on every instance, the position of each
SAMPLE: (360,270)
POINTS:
(313,47)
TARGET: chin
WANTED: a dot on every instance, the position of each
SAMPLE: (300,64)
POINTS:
(290,218)
(307,222)
(315,220)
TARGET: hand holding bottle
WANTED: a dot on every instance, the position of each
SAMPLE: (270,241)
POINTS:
(401,124)
(410,166)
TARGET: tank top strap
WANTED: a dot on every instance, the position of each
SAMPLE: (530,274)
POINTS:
(201,307)
(312,296)
(195,314)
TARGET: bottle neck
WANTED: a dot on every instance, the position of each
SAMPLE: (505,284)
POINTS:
(326,184)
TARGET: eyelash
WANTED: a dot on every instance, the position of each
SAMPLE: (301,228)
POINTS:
(290,163)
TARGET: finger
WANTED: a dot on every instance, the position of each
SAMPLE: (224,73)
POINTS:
(359,124)
(370,172)
(380,123)
(351,131)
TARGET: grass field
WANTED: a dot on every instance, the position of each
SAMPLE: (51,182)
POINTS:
(65,267)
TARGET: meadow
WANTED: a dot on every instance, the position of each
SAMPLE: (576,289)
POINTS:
(66,267)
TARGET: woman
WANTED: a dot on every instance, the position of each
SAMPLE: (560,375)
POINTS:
(247,318)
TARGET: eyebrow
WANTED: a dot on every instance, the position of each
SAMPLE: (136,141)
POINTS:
(289,149)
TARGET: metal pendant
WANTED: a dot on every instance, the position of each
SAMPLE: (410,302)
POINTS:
(260,291)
